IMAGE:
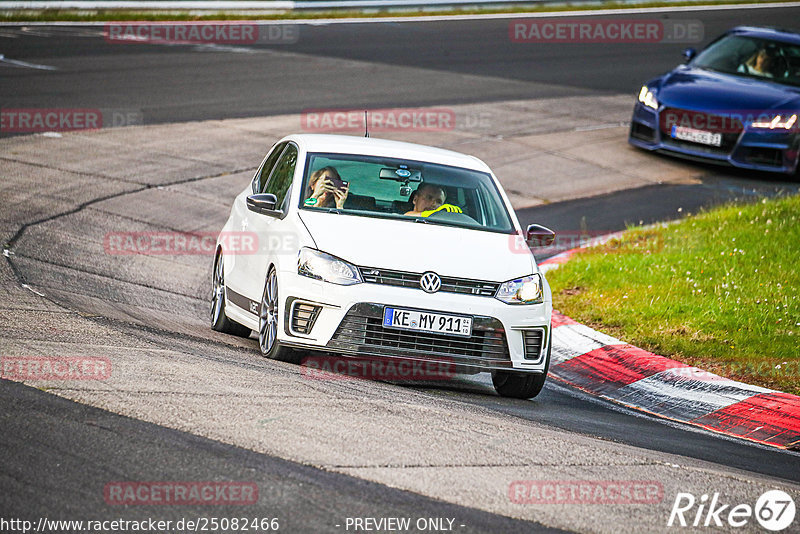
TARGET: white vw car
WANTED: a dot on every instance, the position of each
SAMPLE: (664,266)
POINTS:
(380,249)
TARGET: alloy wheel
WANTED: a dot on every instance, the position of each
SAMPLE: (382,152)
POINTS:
(268,314)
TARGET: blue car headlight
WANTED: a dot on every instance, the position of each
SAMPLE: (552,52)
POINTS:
(525,290)
(321,266)
(648,98)
(778,122)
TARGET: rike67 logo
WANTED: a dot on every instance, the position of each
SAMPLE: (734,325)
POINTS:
(774,511)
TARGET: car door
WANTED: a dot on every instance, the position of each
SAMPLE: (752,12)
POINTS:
(237,265)
(269,229)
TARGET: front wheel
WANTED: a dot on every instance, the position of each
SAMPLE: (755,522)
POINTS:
(520,385)
(268,315)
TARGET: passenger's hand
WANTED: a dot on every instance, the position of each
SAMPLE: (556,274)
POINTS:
(321,187)
(341,195)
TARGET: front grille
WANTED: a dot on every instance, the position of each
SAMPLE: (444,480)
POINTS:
(303,317)
(362,331)
(533,342)
(390,278)
(449,284)
(469,287)
(730,129)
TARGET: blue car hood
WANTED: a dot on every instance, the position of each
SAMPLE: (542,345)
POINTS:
(705,90)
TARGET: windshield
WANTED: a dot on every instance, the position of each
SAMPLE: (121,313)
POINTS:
(407,190)
(752,57)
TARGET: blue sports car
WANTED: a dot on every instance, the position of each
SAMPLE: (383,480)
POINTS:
(737,102)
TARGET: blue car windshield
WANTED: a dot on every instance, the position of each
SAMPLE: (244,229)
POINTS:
(753,57)
(412,191)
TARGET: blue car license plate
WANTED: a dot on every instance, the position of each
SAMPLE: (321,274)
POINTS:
(696,136)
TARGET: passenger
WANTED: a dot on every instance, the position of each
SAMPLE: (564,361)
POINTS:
(760,63)
(428,199)
(326,189)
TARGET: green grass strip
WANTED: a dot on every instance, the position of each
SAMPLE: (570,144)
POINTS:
(719,290)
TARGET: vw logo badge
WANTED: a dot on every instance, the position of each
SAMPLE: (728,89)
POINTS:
(430,282)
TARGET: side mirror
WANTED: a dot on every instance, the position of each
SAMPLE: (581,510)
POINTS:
(263,203)
(689,54)
(539,236)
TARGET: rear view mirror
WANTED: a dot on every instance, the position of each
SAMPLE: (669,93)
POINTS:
(400,175)
(689,54)
(539,236)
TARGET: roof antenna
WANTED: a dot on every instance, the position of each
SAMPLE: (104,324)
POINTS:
(366,124)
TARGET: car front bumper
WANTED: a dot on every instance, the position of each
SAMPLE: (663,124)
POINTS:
(756,149)
(347,320)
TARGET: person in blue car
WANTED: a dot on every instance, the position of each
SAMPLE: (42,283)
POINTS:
(760,63)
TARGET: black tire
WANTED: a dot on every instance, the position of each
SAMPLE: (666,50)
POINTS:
(220,321)
(520,385)
(268,319)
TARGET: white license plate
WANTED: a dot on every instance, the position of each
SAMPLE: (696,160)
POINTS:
(696,136)
(423,321)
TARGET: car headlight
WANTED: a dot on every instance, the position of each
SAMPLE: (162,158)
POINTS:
(322,266)
(525,290)
(778,121)
(647,97)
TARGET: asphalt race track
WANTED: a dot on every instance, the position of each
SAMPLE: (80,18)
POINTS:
(336,66)
(306,499)
(188,404)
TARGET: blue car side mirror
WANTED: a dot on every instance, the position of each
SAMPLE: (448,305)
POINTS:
(689,54)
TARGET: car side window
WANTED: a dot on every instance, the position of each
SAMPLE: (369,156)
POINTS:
(269,164)
(281,179)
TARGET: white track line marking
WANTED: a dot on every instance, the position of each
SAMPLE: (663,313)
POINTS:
(17,63)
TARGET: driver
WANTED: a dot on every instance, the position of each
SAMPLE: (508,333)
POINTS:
(428,199)
(760,63)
